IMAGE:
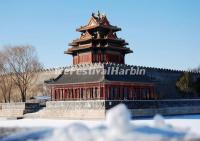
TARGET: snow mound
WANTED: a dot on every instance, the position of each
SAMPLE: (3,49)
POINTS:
(159,121)
(118,119)
(116,128)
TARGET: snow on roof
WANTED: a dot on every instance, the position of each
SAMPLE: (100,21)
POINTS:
(42,97)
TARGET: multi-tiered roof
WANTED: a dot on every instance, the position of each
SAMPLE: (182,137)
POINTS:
(98,34)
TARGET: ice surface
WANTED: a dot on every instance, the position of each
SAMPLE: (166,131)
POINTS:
(118,127)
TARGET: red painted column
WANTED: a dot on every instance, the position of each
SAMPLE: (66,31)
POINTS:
(57,94)
(61,94)
(121,93)
(77,58)
(108,90)
(95,92)
(85,96)
(51,93)
(80,93)
(155,96)
(136,93)
(74,93)
(84,91)
(104,92)
(130,93)
(77,93)
(54,94)
(105,87)
(99,92)
(118,92)
(61,90)
(152,96)
(70,94)
(89,94)
(64,94)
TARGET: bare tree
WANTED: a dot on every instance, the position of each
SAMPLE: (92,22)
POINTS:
(6,82)
(6,85)
(24,64)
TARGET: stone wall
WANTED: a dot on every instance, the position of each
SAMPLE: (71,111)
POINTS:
(12,109)
(147,108)
(17,109)
(96,109)
(93,109)
(165,111)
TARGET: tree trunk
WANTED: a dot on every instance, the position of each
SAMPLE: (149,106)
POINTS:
(9,95)
(23,95)
(5,100)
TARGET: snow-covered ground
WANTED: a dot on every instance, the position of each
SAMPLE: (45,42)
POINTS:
(117,127)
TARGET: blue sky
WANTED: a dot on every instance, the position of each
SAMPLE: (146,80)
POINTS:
(162,33)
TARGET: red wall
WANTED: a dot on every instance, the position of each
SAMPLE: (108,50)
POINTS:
(82,58)
(99,57)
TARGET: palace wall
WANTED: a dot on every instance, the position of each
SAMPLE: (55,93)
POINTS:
(38,88)
(164,79)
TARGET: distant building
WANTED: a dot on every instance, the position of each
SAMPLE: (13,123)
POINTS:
(99,70)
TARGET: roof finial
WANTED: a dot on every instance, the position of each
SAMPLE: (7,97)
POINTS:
(93,15)
(99,14)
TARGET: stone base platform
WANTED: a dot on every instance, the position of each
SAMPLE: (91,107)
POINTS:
(96,109)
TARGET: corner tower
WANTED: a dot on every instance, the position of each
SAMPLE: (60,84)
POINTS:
(98,43)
